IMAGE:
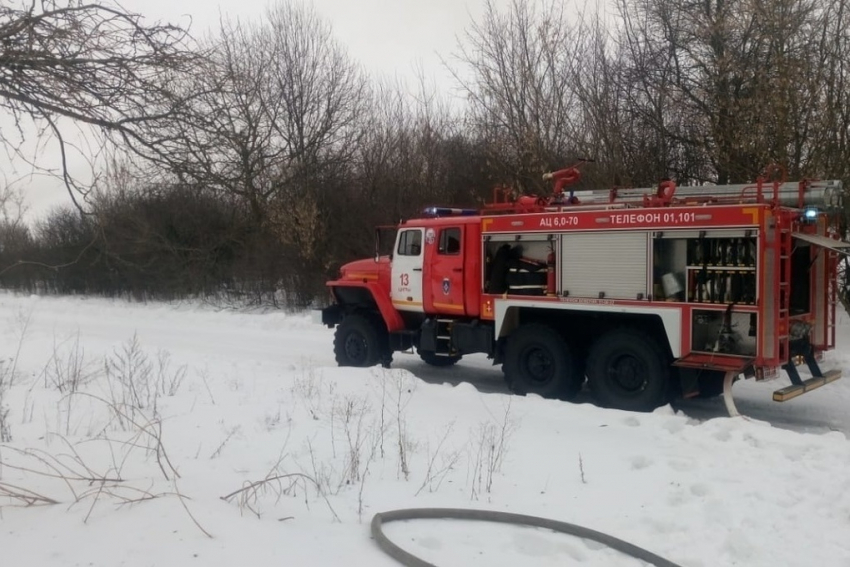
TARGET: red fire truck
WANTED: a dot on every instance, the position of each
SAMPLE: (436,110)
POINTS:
(644,294)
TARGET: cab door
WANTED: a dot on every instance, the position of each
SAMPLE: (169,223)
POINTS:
(406,285)
(446,271)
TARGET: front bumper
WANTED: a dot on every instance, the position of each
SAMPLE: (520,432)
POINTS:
(329,316)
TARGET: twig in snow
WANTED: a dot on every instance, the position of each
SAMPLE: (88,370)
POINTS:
(581,469)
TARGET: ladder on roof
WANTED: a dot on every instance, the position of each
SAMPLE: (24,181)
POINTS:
(823,194)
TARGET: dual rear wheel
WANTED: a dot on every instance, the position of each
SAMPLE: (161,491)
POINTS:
(538,360)
(625,369)
(628,370)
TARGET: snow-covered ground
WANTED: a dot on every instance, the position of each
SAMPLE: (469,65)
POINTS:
(183,435)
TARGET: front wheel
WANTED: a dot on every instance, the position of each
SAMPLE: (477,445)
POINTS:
(628,370)
(359,341)
(539,361)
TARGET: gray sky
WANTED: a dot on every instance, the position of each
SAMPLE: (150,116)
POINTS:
(387,37)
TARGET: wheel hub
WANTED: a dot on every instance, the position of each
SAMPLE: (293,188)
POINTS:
(538,365)
(355,347)
(629,373)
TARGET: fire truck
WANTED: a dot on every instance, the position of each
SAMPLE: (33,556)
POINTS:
(642,295)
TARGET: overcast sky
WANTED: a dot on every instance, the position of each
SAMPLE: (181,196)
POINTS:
(388,37)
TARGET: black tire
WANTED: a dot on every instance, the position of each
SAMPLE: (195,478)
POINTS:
(539,361)
(436,360)
(360,341)
(628,370)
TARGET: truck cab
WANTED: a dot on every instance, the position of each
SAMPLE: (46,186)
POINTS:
(398,300)
(436,267)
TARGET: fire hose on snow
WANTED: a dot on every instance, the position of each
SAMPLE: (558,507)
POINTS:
(410,560)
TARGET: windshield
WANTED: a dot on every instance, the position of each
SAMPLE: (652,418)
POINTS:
(385,240)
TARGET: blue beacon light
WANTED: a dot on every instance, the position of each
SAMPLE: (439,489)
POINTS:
(810,214)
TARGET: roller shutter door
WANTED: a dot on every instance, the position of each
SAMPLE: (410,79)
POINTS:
(613,263)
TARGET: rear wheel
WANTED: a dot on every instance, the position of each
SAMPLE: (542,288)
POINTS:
(628,370)
(434,359)
(360,341)
(539,361)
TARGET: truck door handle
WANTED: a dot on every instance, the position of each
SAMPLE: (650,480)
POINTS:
(417,269)
(457,269)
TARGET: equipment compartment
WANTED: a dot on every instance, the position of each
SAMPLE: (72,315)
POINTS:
(705,267)
(725,332)
(516,266)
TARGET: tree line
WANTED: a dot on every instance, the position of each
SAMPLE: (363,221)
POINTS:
(252,162)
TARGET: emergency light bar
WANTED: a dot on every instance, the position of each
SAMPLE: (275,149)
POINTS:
(448,212)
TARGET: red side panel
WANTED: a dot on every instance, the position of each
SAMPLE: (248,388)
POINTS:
(473,269)
(658,218)
(444,272)
(452,282)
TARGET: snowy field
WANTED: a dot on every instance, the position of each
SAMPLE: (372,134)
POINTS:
(158,434)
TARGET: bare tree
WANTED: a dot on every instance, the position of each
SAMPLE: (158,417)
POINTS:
(92,63)
(404,157)
(522,102)
(830,115)
(14,234)
(272,101)
(277,110)
(737,84)
(324,96)
(230,147)
(322,89)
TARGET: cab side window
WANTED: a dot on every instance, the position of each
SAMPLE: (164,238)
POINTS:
(449,241)
(410,243)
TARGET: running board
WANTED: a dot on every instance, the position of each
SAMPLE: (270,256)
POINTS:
(791,392)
